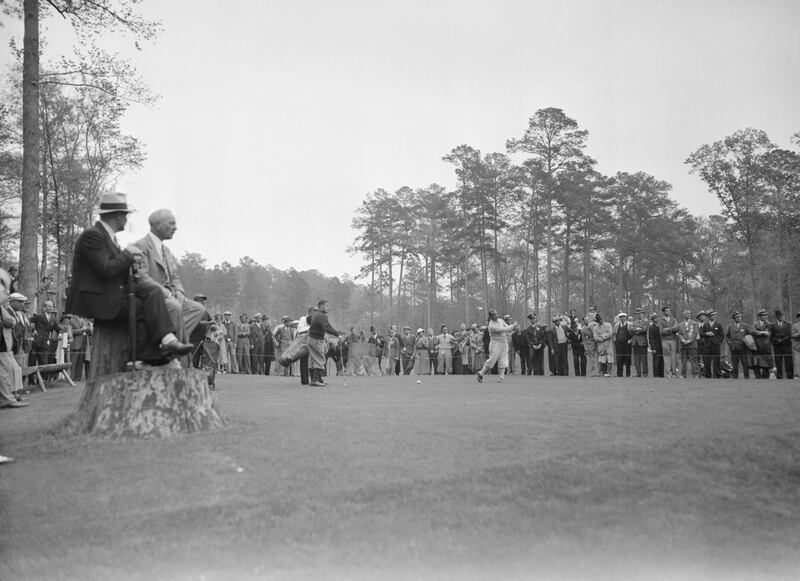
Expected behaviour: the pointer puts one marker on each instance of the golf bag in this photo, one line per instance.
(725, 368)
(208, 351)
(296, 349)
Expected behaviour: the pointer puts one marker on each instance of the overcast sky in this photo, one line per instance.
(277, 118)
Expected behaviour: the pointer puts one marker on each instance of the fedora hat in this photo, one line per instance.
(113, 202)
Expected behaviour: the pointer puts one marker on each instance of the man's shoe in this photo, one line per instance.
(479, 376)
(5, 459)
(17, 404)
(175, 348)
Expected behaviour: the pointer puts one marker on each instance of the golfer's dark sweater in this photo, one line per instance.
(320, 325)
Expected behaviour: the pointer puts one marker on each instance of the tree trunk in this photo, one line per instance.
(567, 234)
(549, 283)
(751, 263)
(372, 291)
(466, 269)
(29, 225)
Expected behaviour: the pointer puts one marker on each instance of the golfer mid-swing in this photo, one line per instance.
(498, 346)
(319, 325)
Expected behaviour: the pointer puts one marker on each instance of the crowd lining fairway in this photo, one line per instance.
(554, 478)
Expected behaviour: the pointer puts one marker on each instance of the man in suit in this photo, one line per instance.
(687, 334)
(45, 335)
(668, 327)
(159, 264)
(23, 330)
(559, 346)
(520, 344)
(257, 345)
(654, 340)
(782, 345)
(407, 351)
(703, 344)
(536, 337)
(739, 351)
(81, 329)
(10, 372)
(639, 328)
(282, 337)
(622, 345)
(230, 341)
(269, 345)
(243, 346)
(714, 334)
(100, 277)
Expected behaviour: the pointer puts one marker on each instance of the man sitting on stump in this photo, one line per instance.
(100, 279)
(159, 264)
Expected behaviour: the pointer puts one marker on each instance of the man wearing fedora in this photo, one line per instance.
(687, 335)
(714, 335)
(656, 348)
(762, 332)
(738, 348)
(639, 329)
(230, 341)
(782, 344)
(101, 272)
(669, 327)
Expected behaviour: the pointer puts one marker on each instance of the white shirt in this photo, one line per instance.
(158, 244)
(111, 233)
(302, 325)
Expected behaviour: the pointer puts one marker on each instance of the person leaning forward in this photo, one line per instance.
(319, 325)
(100, 276)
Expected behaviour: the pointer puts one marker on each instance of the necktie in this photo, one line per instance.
(166, 264)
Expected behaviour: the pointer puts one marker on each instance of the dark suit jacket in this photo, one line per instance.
(99, 276)
(44, 327)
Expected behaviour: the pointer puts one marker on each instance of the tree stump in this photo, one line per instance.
(149, 402)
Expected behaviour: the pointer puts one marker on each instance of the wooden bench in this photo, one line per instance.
(61, 369)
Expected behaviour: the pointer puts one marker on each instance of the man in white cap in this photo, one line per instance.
(10, 372)
(100, 279)
(622, 344)
(159, 264)
(23, 330)
(558, 346)
(282, 336)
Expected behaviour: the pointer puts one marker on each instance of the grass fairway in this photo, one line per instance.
(549, 478)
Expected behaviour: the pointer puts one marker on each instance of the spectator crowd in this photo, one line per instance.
(639, 345)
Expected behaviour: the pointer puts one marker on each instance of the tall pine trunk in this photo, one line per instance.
(31, 137)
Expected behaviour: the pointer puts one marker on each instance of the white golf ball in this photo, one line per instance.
(419, 381)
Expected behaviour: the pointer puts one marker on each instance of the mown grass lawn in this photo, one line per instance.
(553, 478)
